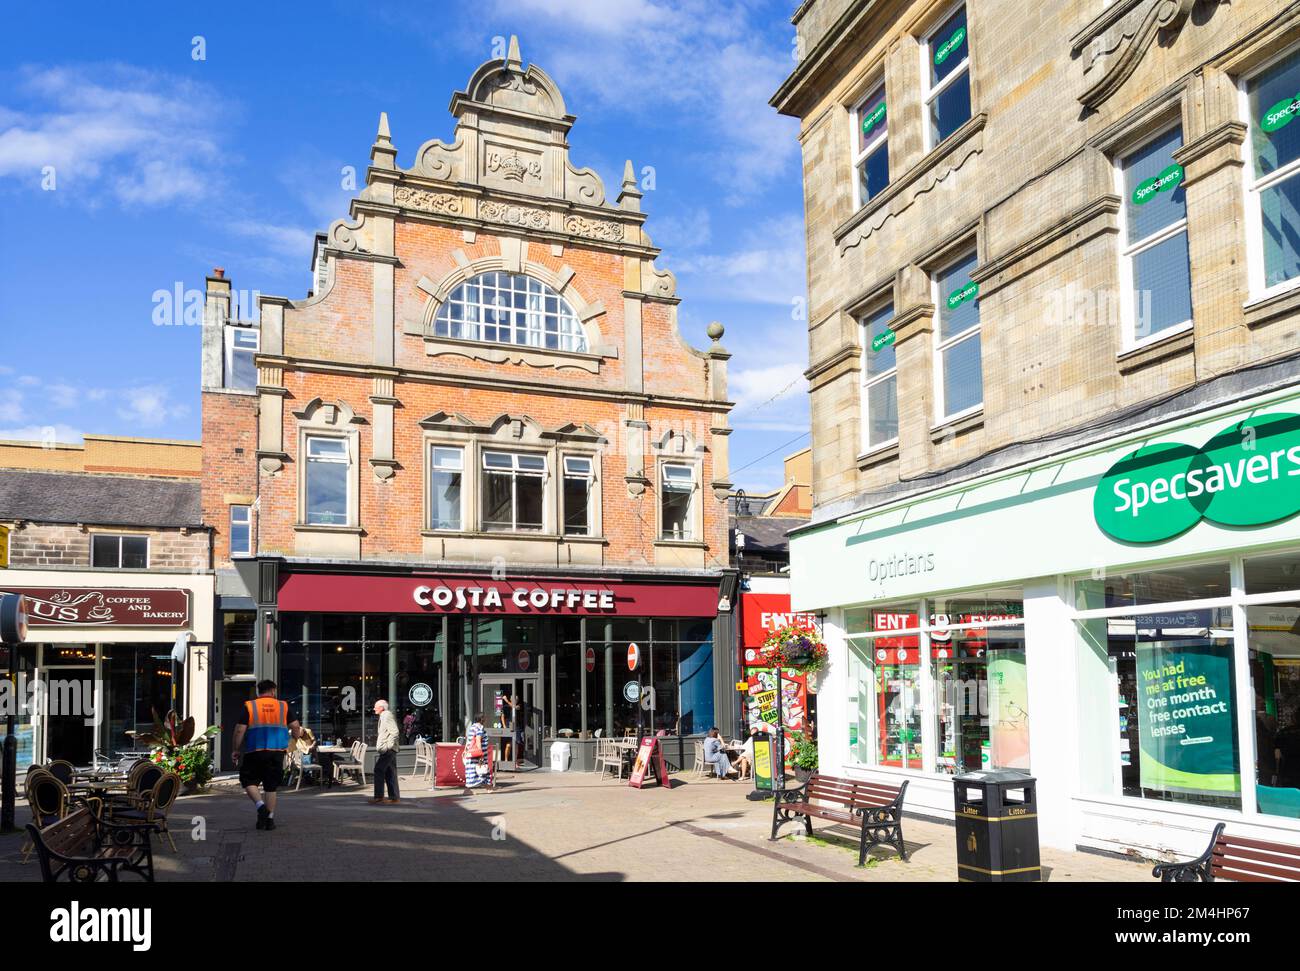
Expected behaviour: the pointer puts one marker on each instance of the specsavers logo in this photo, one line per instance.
(1168, 180)
(950, 45)
(1280, 115)
(1246, 475)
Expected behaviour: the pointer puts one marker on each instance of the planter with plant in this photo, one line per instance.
(803, 756)
(796, 649)
(177, 749)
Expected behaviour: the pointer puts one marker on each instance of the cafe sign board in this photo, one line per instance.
(105, 606)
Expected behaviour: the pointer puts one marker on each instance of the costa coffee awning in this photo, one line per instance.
(346, 593)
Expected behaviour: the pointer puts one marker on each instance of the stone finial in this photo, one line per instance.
(382, 153)
(514, 61)
(629, 195)
(715, 330)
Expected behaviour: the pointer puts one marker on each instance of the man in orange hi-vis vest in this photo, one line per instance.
(268, 724)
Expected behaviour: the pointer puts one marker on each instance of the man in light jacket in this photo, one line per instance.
(386, 763)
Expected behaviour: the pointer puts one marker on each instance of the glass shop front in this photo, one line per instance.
(535, 675)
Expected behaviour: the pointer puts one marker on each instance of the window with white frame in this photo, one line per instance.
(676, 503)
(870, 146)
(241, 348)
(959, 383)
(241, 530)
(513, 489)
(1272, 101)
(510, 308)
(446, 471)
(1155, 269)
(113, 552)
(879, 380)
(947, 89)
(576, 495)
(325, 491)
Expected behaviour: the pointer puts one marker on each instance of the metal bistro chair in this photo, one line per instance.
(48, 800)
(357, 765)
(152, 806)
(62, 770)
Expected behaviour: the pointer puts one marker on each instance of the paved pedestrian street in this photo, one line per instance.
(540, 826)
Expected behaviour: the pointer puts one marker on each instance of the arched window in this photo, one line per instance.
(510, 308)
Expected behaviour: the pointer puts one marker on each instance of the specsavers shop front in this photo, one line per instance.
(1122, 621)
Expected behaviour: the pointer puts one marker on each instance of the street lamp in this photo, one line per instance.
(13, 631)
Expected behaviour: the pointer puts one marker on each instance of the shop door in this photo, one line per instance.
(230, 703)
(511, 706)
(69, 714)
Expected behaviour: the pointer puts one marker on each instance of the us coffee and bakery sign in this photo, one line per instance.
(105, 607)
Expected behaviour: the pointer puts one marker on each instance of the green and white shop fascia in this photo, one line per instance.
(1134, 609)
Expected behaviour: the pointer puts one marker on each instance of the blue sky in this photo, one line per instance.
(128, 166)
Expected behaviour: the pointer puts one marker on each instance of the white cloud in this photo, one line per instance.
(149, 406)
(141, 135)
(708, 60)
(42, 433)
(766, 265)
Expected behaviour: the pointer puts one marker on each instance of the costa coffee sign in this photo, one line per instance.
(345, 593)
(105, 607)
(462, 598)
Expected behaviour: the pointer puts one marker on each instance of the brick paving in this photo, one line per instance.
(540, 826)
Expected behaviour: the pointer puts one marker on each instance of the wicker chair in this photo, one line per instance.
(62, 770)
(48, 800)
(153, 806)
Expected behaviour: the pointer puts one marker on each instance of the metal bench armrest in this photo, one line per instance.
(1190, 871)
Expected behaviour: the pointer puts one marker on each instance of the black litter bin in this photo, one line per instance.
(997, 827)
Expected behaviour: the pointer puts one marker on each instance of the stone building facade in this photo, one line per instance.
(487, 384)
(1042, 237)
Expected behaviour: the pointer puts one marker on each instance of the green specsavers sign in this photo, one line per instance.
(1168, 180)
(1246, 475)
(1280, 115)
(881, 341)
(875, 117)
(951, 44)
(962, 294)
(1185, 718)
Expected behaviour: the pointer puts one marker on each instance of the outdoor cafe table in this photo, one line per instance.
(328, 755)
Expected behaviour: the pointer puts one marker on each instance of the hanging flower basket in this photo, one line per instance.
(796, 649)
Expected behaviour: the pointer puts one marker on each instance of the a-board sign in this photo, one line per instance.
(649, 759)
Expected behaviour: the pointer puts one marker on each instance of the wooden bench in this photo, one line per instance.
(84, 848)
(1236, 858)
(875, 808)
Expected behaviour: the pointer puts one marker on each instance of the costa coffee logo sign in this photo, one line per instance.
(524, 598)
(105, 607)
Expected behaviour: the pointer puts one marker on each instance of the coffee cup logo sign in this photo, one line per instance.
(951, 44)
(1246, 475)
(881, 341)
(875, 117)
(1168, 180)
(962, 294)
(1280, 115)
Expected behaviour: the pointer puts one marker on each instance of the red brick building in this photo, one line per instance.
(479, 459)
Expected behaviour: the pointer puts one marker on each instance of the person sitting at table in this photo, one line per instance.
(745, 760)
(715, 755)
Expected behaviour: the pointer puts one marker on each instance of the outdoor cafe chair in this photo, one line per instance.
(357, 765)
(424, 756)
(302, 768)
(153, 806)
(62, 770)
(48, 800)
